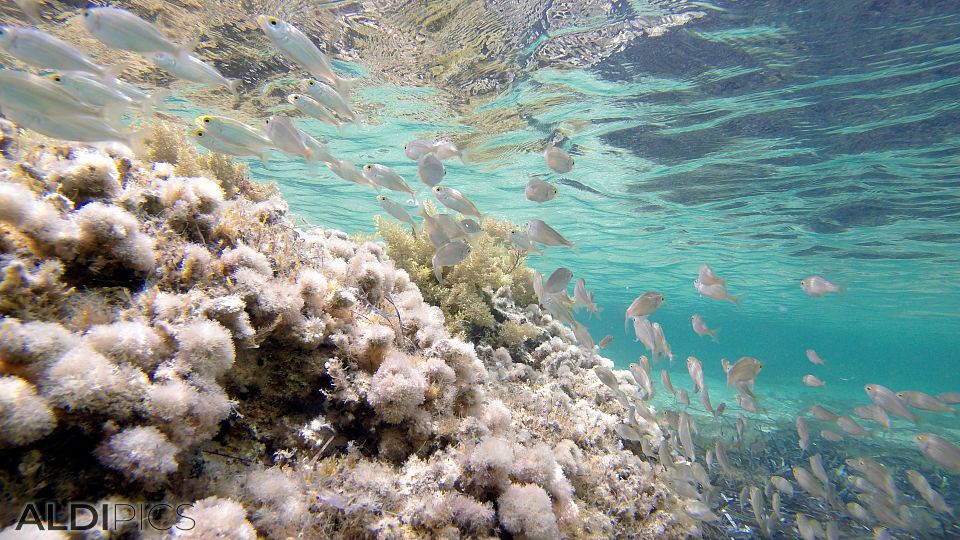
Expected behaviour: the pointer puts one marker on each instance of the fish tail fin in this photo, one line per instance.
(713, 334)
(626, 321)
(264, 158)
(464, 157)
(735, 300)
(234, 87)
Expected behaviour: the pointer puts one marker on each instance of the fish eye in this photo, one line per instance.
(272, 21)
(57, 78)
(206, 120)
(199, 133)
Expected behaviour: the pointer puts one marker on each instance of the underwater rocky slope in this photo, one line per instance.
(169, 335)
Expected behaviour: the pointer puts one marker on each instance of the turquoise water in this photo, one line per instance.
(770, 140)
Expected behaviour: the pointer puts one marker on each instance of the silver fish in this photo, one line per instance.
(454, 200)
(939, 450)
(605, 342)
(607, 377)
(583, 337)
(79, 128)
(683, 397)
(831, 436)
(803, 432)
(430, 170)
(814, 358)
(783, 485)
(446, 150)
(386, 178)
(583, 297)
(312, 108)
(348, 171)
(558, 280)
(645, 304)
(822, 413)
(934, 499)
(539, 191)
(449, 255)
(816, 466)
(470, 226)
(187, 67)
(121, 29)
(30, 93)
(85, 87)
(695, 369)
(722, 458)
(705, 401)
(818, 286)
(700, 327)
(808, 482)
(214, 144)
(888, 401)
(287, 137)
(875, 413)
(437, 236)
(296, 46)
(42, 50)
(744, 370)
(922, 401)
(523, 242)
(686, 440)
(813, 381)
(642, 379)
(418, 148)
(233, 131)
(329, 97)
(950, 398)
(707, 276)
(700, 511)
(851, 427)
(665, 380)
(395, 209)
(717, 292)
(809, 529)
(558, 160)
(540, 232)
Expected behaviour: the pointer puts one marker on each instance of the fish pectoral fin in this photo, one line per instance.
(234, 86)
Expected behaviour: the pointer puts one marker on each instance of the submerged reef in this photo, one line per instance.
(168, 335)
(467, 291)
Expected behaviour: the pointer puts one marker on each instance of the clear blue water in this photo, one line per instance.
(772, 140)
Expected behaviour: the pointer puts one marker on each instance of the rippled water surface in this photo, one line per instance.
(770, 139)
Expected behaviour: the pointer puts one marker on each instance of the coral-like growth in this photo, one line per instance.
(172, 338)
(141, 453)
(464, 295)
(24, 416)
